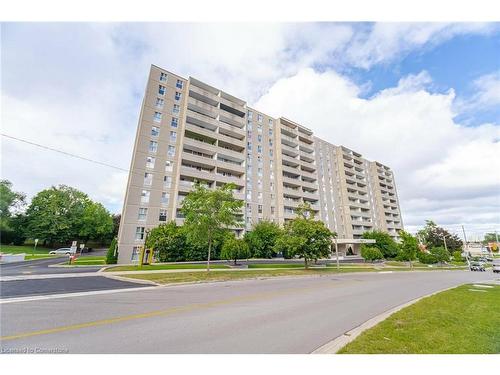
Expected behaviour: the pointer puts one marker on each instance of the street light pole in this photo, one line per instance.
(337, 252)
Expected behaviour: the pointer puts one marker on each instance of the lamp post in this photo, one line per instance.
(337, 252)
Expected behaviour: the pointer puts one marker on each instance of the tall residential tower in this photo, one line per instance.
(189, 131)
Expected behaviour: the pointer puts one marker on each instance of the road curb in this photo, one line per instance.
(338, 343)
(129, 279)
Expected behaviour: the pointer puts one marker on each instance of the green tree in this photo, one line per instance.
(112, 253)
(384, 242)
(96, 222)
(408, 248)
(371, 253)
(457, 256)
(168, 242)
(55, 214)
(116, 224)
(209, 212)
(440, 254)
(307, 238)
(10, 201)
(433, 236)
(234, 249)
(262, 238)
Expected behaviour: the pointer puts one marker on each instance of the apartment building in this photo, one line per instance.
(190, 131)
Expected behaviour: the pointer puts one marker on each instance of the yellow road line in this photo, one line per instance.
(170, 311)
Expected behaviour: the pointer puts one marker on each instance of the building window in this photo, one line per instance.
(250, 115)
(143, 213)
(167, 181)
(175, 122)
(169, 166)
(260, 209)
(163, 215)
(259, 118)
(271, 153)
(153, 146)
(145, 196)
(148, 179)
(259, 149)
(157, 117)
(270, 123)
(171, 150)
(163, 77)
(259, 195)
(249, 126)
(161, 90)
(270, 143)
(259, 138)
(176, 109)
(165, 197)
(173, 136)
(259, 171)
(249, 146)
(155, 131)
(270, 132)
(272, 210)
(139, 233)
(135, 253)
(179, 84)
(150, 162)
(177, 95)
(159, 103)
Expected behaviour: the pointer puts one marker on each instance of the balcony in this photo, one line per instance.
(232, 131)
(291, 202)
(308, 194)
(224, 177)
(196, 143)
(196, 173)
(305, 156)
(292, 181)
(231, 166)
(204, 95)
(291, 170)
(202, 107)
(292, 192)
(307, 148)
(308, 174)
(311, 185)
(198, 159)
(292, 161)
(201, 120)
(290, 151)
(236, 155)
(233, 141)
(234, 105)
(231, 119)
(289, 141)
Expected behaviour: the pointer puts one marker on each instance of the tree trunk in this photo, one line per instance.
(235, 261)
(306, 264)
(209, 251)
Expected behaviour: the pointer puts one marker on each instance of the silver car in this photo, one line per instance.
(62, 250)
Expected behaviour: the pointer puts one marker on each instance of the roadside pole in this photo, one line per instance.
(337, 252)
(34, 248)
(466, 248)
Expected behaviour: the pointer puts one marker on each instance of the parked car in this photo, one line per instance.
(477, 266)
(496, 265)
(62, 250)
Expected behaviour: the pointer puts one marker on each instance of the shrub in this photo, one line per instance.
(426, 258)
(371, 253)
(112, 254)
(234, 249)
(384, 243)
(441, 254)
(457, 256)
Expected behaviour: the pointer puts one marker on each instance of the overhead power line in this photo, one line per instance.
(64, 152)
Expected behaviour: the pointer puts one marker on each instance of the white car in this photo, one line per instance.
(496, 265)
(62, 250)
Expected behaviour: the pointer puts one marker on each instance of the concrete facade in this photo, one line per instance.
(190, 131)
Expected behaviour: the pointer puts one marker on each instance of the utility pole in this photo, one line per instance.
(444, 240)
(337, 252)
(466, 247)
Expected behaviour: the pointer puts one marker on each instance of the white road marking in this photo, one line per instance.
(66, 295)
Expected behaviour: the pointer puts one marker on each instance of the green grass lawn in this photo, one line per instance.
(182, 277)
(90, 261)
(457, 321)
(276, 265)
(39, 256)
(11, 249)
(166, 267)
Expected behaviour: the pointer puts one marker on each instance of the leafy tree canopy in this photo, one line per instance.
(432, 236)
(209, 212)
(384, 242)
(234, 249)
(306, 238)
(262, 238)
(371, 253)
(9, 201)
(408, 248)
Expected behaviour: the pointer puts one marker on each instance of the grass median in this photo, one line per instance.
(463, 320)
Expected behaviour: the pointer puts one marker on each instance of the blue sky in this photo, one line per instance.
(423, 98)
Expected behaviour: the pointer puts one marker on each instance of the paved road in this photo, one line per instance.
(41, 266)
(280, 315)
